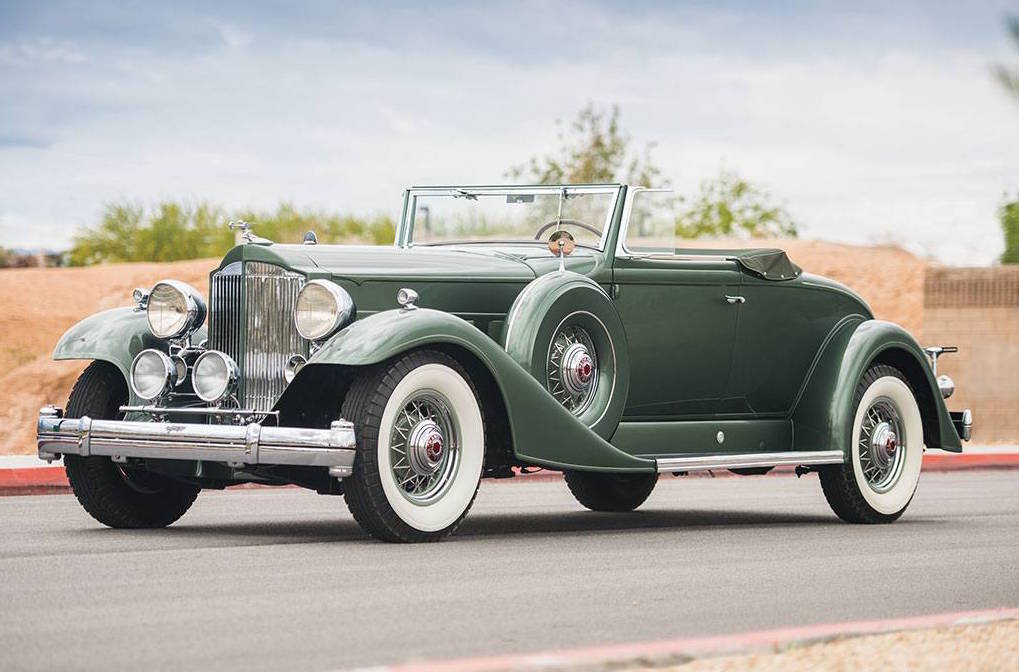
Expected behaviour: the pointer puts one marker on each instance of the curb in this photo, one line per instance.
(683, 650)
(48, 479)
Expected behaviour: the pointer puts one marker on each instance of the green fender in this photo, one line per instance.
(823, 414)
(538, 312)
(543, 432)
(115, 336)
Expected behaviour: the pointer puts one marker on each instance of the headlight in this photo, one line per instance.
(214, 376)
(174, 309)
(323, 307)
(153, 374)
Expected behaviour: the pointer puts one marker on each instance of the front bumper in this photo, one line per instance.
(963, 423)
(235, 445)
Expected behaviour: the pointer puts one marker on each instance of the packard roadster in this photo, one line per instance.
(509, 328)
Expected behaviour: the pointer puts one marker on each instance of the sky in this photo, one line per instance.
(871, 122)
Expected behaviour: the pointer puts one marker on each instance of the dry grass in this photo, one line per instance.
(38, 305)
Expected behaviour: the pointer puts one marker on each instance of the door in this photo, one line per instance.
(680, 329)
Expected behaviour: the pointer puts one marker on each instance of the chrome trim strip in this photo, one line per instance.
(238, 444)
(788, 459)
(199, 410)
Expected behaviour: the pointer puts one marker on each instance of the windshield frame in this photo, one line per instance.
(405, 230)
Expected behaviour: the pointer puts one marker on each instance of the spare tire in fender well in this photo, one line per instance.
(541, 309)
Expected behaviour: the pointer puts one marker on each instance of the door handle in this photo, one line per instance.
(734, 299)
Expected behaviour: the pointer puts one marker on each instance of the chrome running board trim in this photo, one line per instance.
(788, 459)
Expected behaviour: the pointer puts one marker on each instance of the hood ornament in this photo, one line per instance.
(247, 234)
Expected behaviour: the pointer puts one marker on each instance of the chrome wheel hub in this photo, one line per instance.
(572, 368)
(424, 450)
(882, 445)
(576, 368)
(425, 447)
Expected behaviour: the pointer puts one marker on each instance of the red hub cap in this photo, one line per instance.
(585, 367)
(433, 447)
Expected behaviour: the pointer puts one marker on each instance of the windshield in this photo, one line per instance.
(520, 214)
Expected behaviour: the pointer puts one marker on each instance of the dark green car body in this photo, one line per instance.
(697, 372)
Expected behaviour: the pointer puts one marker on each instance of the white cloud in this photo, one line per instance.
(861, 141)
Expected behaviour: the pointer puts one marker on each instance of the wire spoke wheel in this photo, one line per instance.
(885, 453)
(882, 444)
(572, 368)
(424, 447)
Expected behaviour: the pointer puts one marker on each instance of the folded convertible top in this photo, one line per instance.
(770, 264)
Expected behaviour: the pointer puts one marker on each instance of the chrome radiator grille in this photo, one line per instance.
(251, 319)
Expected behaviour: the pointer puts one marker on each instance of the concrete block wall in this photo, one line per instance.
(977, 309)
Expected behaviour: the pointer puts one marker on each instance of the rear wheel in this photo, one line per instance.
(610, 492)
(420, 447)
(877, 482)
(117, 496)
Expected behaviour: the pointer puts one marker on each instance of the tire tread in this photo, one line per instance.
(96, 481)
(607, 492)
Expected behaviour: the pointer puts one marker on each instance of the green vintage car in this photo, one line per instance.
(509, 328)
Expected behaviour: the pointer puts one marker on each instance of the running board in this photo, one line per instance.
(788, 459)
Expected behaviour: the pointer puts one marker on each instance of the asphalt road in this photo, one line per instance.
(262, 579)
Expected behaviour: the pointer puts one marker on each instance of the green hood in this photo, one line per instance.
(444, 278)
(354, 262)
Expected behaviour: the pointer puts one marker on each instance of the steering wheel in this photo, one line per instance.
(539, 235)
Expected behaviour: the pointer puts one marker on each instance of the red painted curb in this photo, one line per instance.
(36, 476)
(956, 461)
(685, 649)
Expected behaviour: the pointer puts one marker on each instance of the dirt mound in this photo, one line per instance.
(38, 304)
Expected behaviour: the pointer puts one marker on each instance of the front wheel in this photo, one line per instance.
(116, 496)
(610, 492)
(877, 482)
(420, 447)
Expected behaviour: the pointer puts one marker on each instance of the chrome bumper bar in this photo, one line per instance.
(236, 445)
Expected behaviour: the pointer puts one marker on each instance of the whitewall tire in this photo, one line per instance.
(421, 447)
(877, 482)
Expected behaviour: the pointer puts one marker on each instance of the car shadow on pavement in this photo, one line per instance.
(493, 525)
(636, 521)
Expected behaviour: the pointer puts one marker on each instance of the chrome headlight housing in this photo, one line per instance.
(153, 374)
(214, 376)
(322, 309)
(174, 309)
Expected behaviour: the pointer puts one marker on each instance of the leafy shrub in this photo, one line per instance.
(172, 231)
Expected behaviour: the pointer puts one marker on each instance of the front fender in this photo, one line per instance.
(115, 336)
(543, 432)
(823, 416)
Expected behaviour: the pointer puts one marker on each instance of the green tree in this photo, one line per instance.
(1009, 77)
(172, 231)
(729, 206)
(592, 149)
(1008, 214)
